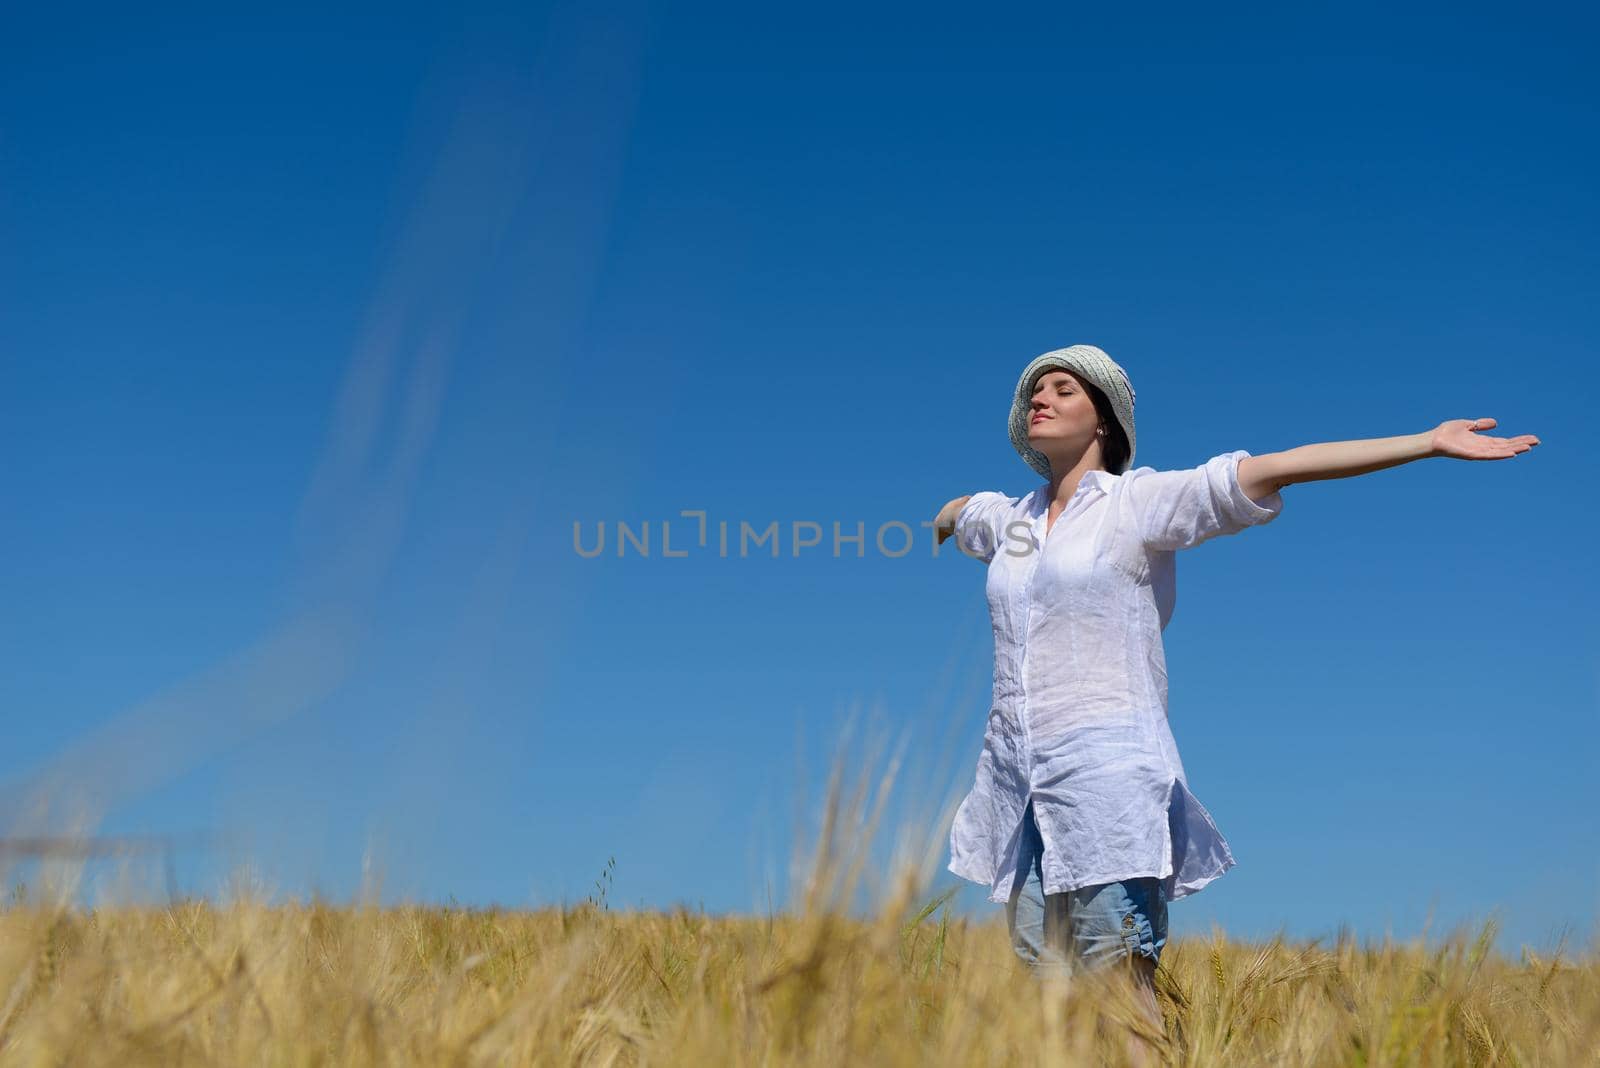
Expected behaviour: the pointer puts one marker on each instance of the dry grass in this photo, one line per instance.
(249, 983)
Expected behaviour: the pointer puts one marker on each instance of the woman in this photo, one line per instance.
(1081, 821)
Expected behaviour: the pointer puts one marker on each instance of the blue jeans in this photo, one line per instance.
(1084, 929)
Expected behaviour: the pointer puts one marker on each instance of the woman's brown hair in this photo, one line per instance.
(1114, 446)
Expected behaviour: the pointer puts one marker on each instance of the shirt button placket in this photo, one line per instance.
(1027, 643)
(1040, 534)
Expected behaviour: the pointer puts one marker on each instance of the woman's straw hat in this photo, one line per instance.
(1094, 366)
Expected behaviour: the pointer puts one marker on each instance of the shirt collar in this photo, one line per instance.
(1095, 481)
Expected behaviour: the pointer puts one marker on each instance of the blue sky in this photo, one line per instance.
(320, 331)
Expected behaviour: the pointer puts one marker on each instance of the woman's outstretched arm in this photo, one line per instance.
(944, 524)
(1266, 474)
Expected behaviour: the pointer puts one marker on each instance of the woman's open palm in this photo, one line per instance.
(1459, 438)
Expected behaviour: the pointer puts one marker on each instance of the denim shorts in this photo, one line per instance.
(1083, 929)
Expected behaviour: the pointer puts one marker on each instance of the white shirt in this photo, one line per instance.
(1078, 717)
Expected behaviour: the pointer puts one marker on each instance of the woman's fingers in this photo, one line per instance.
(1519, 444)
(1477, 426)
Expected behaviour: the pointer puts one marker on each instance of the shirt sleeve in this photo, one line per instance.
(979, 528)
(1181, 509)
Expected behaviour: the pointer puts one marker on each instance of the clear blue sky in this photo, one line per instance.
(319, 332)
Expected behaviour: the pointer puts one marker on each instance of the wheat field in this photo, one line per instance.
(196, 984)
(246, 981)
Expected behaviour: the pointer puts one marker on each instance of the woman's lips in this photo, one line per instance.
(1040, 418)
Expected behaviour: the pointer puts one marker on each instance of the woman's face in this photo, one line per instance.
(1062, 418)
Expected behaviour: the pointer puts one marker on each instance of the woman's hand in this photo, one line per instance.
(1458, 438)
(944, 524)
